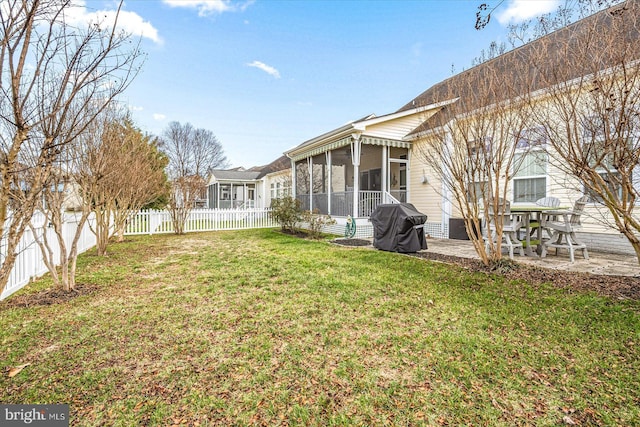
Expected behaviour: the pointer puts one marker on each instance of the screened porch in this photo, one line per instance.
(354, 178)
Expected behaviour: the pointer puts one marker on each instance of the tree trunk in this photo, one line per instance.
(635, 242)
(101, 231)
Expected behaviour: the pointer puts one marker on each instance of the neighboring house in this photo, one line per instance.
(248, 188)
(348, 171)
(276, 177)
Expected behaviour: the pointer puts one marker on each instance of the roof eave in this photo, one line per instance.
(362, 124)
(322, 139)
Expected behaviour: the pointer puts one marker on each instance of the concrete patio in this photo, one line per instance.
(598, 262)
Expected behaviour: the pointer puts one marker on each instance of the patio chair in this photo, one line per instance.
(535, 224)
(562, 226)
(550, 202)
(510, 226)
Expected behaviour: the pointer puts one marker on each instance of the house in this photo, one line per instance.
(349, 170)
(241, 188)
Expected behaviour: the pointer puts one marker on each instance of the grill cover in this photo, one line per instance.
(394, 228)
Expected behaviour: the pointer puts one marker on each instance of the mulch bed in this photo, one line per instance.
(352, 242)
(50, 296)
(620, 287)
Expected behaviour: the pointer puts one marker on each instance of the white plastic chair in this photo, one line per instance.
(547, 202)
(562, 226)
(510, 226)
(550, 202)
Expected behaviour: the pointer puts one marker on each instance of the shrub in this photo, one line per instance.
(286, 212)
(316, 222)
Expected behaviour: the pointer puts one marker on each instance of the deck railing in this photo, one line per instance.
(368, 201)
(342, 201)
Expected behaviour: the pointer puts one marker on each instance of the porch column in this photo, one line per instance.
(385, 168)
(244, 195)
(355, 160)
(329, 187)
(408, 177)
(293, 179)
(218, 195)
(310, 168)
(231, 195)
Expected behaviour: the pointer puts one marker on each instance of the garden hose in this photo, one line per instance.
(350, 228)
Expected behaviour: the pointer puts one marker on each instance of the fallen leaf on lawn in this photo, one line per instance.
(17, 369)
(568, 420)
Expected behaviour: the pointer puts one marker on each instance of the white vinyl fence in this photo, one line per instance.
(29, 263)
(155, 222)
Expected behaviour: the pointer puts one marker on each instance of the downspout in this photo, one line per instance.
(385, 171)
(408, 176)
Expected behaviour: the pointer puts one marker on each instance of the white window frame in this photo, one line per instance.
(595, 136)
(532, 142)
(478, 188)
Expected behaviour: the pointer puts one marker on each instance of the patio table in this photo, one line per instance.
(527, 213)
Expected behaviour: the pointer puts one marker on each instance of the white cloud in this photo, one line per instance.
(159, 117)
(135, 108)
(210, 7)
(128, 21)
(266, 68)
(521, 10)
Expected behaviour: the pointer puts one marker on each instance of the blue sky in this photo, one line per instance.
(266, 75)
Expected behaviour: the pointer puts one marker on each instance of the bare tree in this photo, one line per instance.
(470, 146)
(97, 155)
(524, 32)
(61, 210)
(583, 92)
(193, 154)
(591, 112)
(54, 79)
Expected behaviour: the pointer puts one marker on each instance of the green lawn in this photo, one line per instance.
(258, 328)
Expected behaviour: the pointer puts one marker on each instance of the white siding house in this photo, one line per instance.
(349, 170)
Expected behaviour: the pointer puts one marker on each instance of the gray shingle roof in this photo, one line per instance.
(538, 64)
(256, 172)
(238, 175)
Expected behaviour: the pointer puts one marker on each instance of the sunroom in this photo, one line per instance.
(351, 170)
(233, 189)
